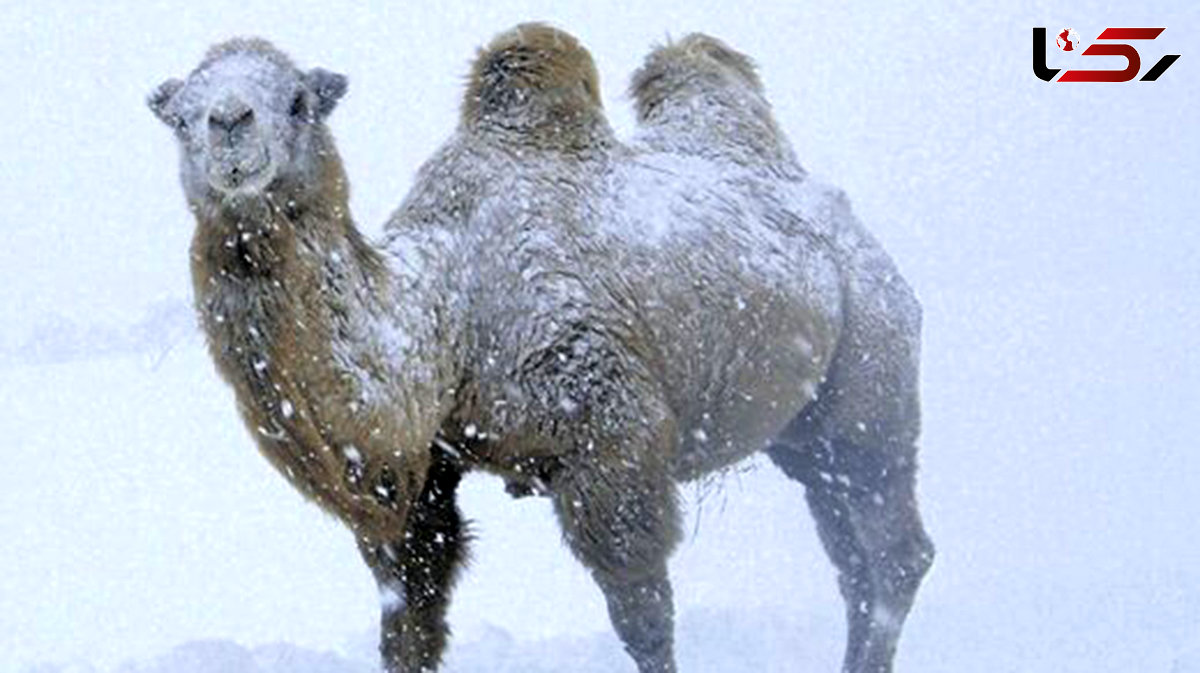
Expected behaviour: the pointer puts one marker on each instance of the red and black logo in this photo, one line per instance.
(1068, 40)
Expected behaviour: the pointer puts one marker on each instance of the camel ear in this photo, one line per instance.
(329, 88)
(160, 101)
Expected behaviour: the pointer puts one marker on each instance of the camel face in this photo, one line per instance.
(245, 118)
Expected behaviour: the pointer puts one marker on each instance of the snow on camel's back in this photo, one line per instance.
(592, 320)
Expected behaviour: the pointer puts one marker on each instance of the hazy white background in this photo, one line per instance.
(1049, 228)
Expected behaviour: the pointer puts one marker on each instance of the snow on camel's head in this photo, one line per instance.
(247, 117)
(533, 75)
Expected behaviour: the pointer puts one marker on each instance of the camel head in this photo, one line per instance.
(532, 76)
(247, 118)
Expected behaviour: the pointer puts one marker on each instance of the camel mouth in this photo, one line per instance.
(242, 173)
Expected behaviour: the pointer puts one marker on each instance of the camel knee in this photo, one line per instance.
(907, 562)
(925, 553)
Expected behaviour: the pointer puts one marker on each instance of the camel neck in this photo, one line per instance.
(271, 270)
(306, 320)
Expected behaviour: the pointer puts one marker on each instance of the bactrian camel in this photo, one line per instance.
(593, 320)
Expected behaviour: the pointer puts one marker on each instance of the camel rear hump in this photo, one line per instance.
(701, 96)
(700, 60)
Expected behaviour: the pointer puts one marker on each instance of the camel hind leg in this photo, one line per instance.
(416, 573)
(624, 538)
(866, 513)
(621, 520)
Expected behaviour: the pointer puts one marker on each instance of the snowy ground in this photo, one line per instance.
(1049, 230)
(767, 642)
(159, 507)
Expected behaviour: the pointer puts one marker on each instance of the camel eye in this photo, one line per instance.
(298, 106)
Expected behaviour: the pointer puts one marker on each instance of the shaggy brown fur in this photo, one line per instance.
(596, 320)
(853, 448)
(687, 89)
(268, 303)
(291, 297)
(534, 80)
(292, 397)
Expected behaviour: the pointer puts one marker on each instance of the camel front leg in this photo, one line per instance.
(416, 572)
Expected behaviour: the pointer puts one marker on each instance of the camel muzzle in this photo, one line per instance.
(237, 151)
(238, 168)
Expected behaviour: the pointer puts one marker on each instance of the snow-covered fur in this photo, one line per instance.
(594, 320)
(341, 367)
(513, 87)
(854, 446)
(700, 97)
(299, 310)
